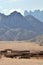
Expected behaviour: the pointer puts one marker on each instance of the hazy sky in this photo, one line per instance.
(8, 6)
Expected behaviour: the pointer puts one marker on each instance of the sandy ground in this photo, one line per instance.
(6, 61)
(16, 45)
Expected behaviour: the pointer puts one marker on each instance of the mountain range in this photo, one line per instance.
(18, 27)
(38, 39)
(36, 13)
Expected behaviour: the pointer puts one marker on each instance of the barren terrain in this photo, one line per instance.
(18, 45)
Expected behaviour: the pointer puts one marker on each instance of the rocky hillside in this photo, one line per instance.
(17, 27)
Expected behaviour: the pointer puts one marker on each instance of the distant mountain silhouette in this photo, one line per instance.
(18, 27)
(37, 14)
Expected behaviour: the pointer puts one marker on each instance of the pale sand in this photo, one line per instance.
(6, 61)
(16, 45)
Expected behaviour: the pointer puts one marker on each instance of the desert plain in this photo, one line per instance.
(20, 45)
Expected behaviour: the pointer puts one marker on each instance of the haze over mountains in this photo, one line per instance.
(38, 39)
(18, 27)
(36, 13)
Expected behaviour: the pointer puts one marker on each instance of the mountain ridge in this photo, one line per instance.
(36, 13)
(18, 27)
